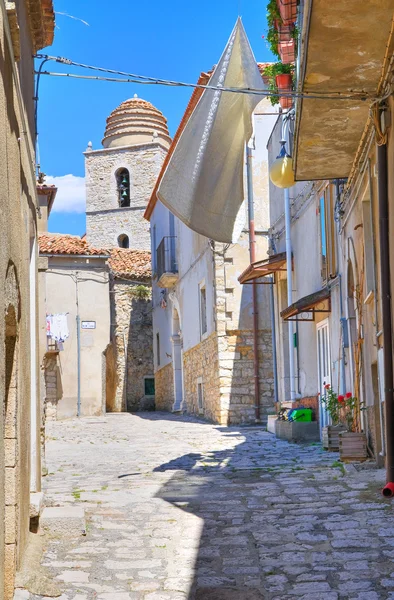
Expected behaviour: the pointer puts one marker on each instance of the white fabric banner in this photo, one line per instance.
(203, 182)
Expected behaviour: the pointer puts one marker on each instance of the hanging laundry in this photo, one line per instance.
(58, 327)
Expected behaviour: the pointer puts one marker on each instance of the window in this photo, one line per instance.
(123, 241)
(200, 395)
(158, 349)
(327, 233)
(203, 309)
(123, 186)
(149, 386)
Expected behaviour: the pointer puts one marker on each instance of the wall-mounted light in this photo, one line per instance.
(281, 171)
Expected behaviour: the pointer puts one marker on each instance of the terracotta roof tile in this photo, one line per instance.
(123, 263)
(58, 243)
(131, 264)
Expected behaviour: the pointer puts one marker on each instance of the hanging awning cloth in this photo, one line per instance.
(262, 268)
(305, 308)
(203, 184)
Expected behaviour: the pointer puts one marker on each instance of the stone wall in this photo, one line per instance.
(236, 362)
(105, 221)
(202, 361)
(132, 338)
(164, 388)
(234, 321)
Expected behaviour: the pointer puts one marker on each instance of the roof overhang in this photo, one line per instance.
(42, 22)
(305, 308)
(49, 191)
(344, 48)
(262, 268)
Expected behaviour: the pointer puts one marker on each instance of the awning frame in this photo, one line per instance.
(317, 303)
(269, 265)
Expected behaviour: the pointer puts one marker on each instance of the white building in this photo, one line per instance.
(202, 317)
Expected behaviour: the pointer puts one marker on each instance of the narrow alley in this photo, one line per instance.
(177, 509)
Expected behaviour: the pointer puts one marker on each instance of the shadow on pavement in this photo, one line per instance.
(211, 488)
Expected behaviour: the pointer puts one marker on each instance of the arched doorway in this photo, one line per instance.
(177, 361)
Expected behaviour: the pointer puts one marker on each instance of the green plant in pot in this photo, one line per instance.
(279, 76)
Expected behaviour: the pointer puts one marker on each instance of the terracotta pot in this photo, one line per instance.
(288, 10)
(352, 446)
(287, 51)
(330, 437)
(284, 83)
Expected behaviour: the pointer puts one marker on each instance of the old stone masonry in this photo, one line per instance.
(179, 509)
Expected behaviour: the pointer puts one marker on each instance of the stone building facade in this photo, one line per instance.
(26, 27)
(120, 178)
(130, 356)
(135, 143)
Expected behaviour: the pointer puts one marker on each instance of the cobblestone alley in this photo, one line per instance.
(180, 509)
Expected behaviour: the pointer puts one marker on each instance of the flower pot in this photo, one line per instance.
(330, 437)
(288, 10)
(352, 446)
(286, 50)
(284, 83)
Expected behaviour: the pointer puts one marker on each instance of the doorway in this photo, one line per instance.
(324, 367)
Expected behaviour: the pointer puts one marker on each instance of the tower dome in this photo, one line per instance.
(135, 121)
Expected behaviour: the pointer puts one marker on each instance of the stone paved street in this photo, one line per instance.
(180, 509)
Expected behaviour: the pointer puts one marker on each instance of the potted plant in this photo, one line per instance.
(280, 77)
(287, 10)
(333, 405)
(352, 443)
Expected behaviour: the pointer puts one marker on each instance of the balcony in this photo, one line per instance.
(343, 47)
(166, 265)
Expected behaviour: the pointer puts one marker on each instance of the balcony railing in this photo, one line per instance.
(166, 265)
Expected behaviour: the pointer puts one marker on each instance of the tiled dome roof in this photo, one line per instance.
(136, 121)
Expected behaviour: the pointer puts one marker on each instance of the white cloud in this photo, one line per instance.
(71, 196)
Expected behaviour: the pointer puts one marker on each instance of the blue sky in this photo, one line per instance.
(172, 40)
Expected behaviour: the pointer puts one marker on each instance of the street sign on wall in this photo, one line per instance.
(88, 324)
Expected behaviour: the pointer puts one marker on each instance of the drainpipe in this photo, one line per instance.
(273, 330)
(252, 252)
(388, 490)
(289, 292)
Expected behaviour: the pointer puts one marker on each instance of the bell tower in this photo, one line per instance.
(120, 176)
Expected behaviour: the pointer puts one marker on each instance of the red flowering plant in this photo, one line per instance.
(332, 403)
(351, 404)
(341, 408)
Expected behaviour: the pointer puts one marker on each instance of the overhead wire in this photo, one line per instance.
(147, 80)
